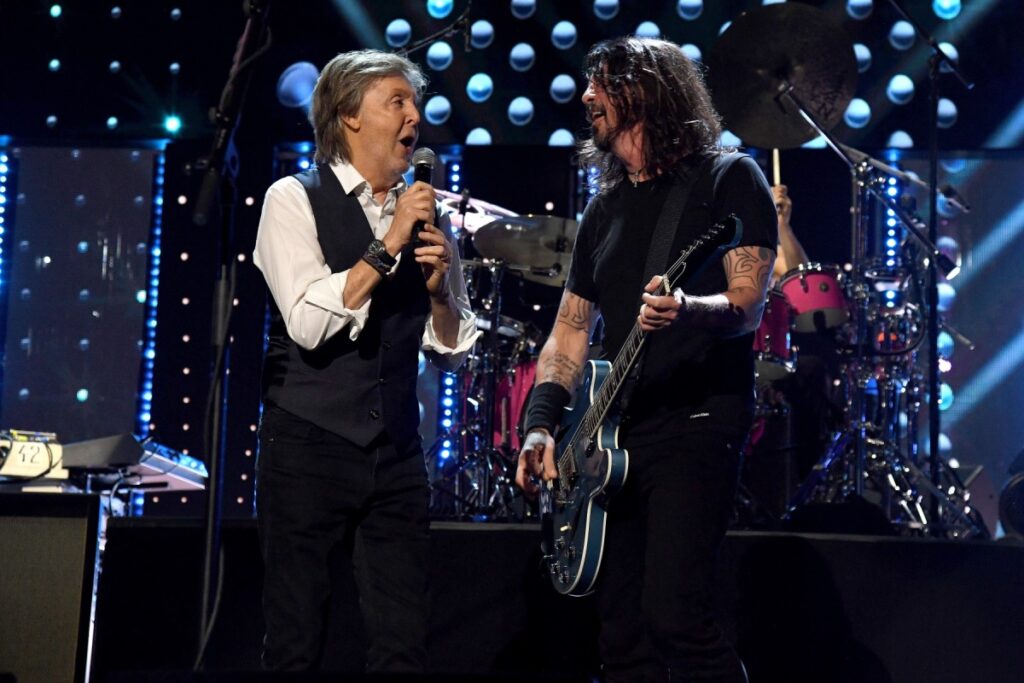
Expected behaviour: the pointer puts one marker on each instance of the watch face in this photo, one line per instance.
(376, 247)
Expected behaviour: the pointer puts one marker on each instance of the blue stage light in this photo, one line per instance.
(523, 9)
(563, 35)
(56, 11)
(946, 344)
(858, 113)
(439, 56)
(521, 56)
(111, 122)
(606, 9)
(481, 34)
(692, 52)
(398, 33)
(648, 29)
(561, 138)
(947, 113)
(689, 9)
(479, 87)
(82, 395)
(54, 65)
(951, 52)
(946, 9)
(439, 9)
(900, 89)
(901, 35)
(900, 139)
(172, 124)
(863, 55)
(859, 9)
(437, 110)
(295, 85)
(478, 136)
(563, 88)
(520, 111)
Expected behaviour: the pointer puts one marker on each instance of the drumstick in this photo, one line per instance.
(776, 175)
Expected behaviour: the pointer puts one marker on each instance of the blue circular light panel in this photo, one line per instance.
(296, 83)
(859, 9)
(954, 165)
(479, 87)
(561, 138)
(692, 52)
(900, 89)
(947, 296)
(946, 9)
(858, 113)
(945, 402)
(648, 29)
(863, 55)
(901, 35)
(398, 33)
(946, 344)
(563, 88)
(439, 9)
(437, 109)
(523, 9)
(521, 57)
(952, 53)
(900, 140)
(478, 136)
(606, 9)
(689, 9)
(439, 56)
(54, 65)
(563, 35)
(947, 113)
(520, 111)
(481, 34)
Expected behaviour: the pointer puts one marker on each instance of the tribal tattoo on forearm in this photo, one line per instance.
(749, 267)
(561, 369)
(574, 311)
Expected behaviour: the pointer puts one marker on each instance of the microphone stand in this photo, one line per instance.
(937, 58)
(219, 181)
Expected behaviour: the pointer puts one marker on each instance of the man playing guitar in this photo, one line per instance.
(655, 131)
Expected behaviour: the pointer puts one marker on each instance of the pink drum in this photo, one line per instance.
(510, 401)
(815, 293)
(773, 353)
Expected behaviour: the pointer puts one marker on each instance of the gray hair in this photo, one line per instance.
(340, 89)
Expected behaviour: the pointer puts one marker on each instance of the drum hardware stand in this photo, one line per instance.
(869, 450)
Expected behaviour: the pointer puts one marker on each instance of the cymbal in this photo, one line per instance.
(538, 247)
(767, 48)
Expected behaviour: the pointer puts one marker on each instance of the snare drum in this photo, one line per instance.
(772, 351)
(815, 293)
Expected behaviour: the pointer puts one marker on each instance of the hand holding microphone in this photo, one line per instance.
(423, 170)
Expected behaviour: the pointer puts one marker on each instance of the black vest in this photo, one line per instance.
(356, 389)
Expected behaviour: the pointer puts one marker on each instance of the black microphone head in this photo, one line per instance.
(423, 164)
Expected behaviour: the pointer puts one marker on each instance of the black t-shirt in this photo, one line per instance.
(686, 372)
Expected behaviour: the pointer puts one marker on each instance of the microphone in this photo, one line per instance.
(955, 198)
(423, 170)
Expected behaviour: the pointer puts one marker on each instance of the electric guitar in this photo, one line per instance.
(591, 466)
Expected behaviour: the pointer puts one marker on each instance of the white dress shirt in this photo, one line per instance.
(310, 296)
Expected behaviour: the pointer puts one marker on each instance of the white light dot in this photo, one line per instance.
(241, 258)
(536, 307)
(235, 302)
(185, 338)
(184, 301)
(185, 371)
(156, 499)
(249, 201)
(184, 256)
(240, 500)
(182, 199)
(184, 499)
(549, 206)
(185, 451)
(186, 400)
(248, 452)
(184, 427)
(245, 477)
(252, 428)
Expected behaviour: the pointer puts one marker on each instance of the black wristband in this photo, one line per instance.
(547, 402)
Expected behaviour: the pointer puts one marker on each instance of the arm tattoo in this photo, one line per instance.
(575, 312)
(749, 267)
(561, 369)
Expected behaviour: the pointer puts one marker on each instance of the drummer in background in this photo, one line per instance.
(790, 253)
(807, 391)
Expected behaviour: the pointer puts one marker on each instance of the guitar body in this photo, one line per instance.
(578, 507)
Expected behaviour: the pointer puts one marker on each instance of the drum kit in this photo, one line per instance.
(782, 75)
(504, 255)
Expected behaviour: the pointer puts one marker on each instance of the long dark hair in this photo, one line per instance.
(653, 83)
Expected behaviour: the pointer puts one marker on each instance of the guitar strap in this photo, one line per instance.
(661, 246)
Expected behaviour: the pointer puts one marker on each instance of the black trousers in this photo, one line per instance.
(655, 588)
(318, 493)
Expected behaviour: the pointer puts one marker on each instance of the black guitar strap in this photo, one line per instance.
(661, 246)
